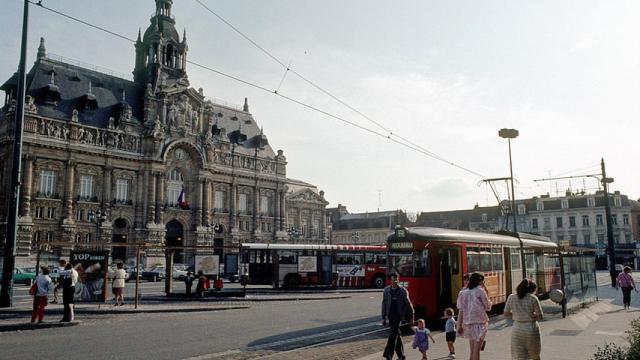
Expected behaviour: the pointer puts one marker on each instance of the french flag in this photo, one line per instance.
(182, 200)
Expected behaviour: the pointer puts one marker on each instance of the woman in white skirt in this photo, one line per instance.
(473, 322)
(524, 308)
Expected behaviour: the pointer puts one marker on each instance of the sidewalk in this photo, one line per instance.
(574, 337)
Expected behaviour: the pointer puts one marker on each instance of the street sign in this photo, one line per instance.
(564, 243)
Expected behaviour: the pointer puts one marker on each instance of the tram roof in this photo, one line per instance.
(262, 246)
(449, 235)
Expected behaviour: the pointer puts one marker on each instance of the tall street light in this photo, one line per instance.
(512, 134)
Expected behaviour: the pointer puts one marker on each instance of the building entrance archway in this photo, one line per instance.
(175, 238)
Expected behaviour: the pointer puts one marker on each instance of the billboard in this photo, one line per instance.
(208, 264)
(92, 267)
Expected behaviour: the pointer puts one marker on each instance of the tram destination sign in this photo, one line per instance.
(401, 245)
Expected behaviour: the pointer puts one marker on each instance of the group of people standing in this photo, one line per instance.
(473, 303)
(67, 280)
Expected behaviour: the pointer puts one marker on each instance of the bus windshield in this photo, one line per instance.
(411, 264)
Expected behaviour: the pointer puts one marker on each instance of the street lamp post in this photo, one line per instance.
(293, 233)
(512, 134)
(98, 218)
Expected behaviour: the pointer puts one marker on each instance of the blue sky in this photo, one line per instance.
(445, 74)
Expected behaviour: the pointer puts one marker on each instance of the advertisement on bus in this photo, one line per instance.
(350, 270)
(307, 264)
(208, 264)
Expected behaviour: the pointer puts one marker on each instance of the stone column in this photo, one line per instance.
(151, 202)
(276, 214)
(283, 211)
(233, 205)
(160, 190)
(207, 201)
(25, 209)
(68, 189)
(200, 193)
(139, 201)
(106, 189)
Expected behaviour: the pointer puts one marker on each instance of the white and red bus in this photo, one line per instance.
(431, 263)
(293, 266)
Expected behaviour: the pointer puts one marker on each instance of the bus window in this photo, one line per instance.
(287, 257)
(485, 259)
(422, 263)
(349, 259)
(473, 263)
(402, 263)
(375, 259)
(515, 259)
(496, 255)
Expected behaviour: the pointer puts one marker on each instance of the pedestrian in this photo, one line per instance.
(203, 284)
(63, 264)
(421, 338)
(473, 322)
(525, 310)
(450, 331)
(396, 306)
(626, 283)
(188, 282)
(43, 286)
(119, 277)
(69, 277)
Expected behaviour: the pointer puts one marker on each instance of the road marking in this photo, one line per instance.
(609, 333)
(214, 355)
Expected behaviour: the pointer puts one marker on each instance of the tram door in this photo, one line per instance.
(450, 276)
(260, 267)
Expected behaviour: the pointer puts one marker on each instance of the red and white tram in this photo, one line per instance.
(305, 265)
(431, 263)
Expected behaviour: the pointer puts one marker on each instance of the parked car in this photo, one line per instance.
(21, 276)
(158, 272)
(154, 274)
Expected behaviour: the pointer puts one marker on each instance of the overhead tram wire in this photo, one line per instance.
(406, 144)
(326, 92)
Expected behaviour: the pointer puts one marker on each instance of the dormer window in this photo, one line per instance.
(522, 209)
(484, 217)
(617, 202)
(591, 202)
(540, 206)
(564, 203)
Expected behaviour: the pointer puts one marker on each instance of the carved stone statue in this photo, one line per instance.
(74, 116)
(171, 116)
(157, 129)
(80, 134)
(149, 89)
(195, 121)
(112, 123)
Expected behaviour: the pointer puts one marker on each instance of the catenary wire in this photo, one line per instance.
(406, 143)
(318, 87)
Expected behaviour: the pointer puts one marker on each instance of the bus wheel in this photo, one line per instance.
(292, 282)
(378, 282)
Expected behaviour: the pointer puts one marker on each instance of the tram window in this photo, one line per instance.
(515, 259)
(485, 259)
(496, 255)
(423, 263)
(530, 261)
(473, 263)
(402, 264)
(551, 262)
(453, 262)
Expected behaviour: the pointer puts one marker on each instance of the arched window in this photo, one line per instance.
(174, 187)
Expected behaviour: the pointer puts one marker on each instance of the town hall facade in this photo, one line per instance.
(115, 164)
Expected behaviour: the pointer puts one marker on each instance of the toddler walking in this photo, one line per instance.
(450, 331)
(421, 339)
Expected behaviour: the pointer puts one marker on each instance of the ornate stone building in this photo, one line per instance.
(161, 163)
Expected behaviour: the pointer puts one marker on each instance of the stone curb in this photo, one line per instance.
(36, 326)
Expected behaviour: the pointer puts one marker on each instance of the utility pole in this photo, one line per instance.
(611, 249)
(6, 293)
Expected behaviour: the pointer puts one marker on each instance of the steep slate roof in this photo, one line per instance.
(72, 83)
(575, 201)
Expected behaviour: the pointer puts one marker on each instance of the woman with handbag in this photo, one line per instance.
(43, 286)
(524, 307)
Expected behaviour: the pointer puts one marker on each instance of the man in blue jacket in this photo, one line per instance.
(395, 306)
